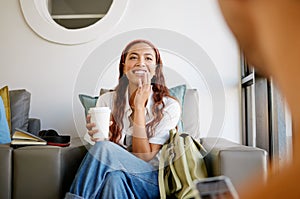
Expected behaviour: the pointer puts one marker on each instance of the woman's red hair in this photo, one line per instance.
(159, 91)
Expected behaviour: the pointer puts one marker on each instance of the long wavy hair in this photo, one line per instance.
(159, 91)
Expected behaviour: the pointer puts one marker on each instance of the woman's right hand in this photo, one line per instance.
(91, 130)
(90, 127)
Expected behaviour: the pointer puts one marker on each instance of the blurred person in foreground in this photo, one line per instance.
(269, 34)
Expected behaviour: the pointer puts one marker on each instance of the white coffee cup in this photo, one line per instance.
(101, 117)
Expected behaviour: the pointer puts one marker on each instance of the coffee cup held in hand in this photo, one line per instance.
(101, 117)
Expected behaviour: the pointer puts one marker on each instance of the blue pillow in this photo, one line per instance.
(178, 92)
(87, 102)
(4, 130)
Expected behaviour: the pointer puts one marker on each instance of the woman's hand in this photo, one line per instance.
(91, 130)
(143, 92)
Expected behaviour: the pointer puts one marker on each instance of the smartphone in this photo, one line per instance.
(219, 187)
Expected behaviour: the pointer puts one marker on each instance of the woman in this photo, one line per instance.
(143, 112)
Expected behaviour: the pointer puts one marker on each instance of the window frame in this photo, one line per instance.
(265, 116)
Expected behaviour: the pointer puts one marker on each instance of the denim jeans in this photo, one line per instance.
(109, 171)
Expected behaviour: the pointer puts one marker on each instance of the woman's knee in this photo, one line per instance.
(103, 149)
(103, 144)
(100, 146)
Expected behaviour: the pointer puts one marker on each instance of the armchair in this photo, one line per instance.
(238, 162)
(48, 171)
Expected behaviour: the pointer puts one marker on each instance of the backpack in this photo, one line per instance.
(181, 162)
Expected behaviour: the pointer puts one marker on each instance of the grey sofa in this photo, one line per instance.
(6, 171)
(19, 105)
(47, 172)
(240, 163)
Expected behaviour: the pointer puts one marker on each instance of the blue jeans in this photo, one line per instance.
(109, 171)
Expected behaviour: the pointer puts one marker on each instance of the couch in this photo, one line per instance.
(19, 111)
(47, 171)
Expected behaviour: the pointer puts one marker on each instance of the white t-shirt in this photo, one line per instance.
(171, 116)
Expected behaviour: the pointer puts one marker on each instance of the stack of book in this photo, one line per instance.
(23, 138)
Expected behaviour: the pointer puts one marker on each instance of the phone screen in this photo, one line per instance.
(216, 188)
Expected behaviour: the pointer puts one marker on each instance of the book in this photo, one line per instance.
(21, 137)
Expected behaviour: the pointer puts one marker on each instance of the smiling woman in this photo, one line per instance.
(143, 113)
(53, 28)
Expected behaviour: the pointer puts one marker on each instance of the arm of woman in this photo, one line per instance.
(140, 142)
(145, 148)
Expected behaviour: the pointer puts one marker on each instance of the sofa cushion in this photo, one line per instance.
(190, 115)
(4, 129)
(19, 106)
(6, 171)
(179, 93)
(5, 97)
(87, 102)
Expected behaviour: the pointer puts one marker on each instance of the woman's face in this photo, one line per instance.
(140, 64)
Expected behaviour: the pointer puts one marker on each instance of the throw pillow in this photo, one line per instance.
(190, 114)
(19, 106)
(5, 97)
(179, 92)
(87, 102)
(4, 130)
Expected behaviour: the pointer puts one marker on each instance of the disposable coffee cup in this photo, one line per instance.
(101, 117)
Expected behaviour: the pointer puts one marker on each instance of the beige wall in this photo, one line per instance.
(49, 70)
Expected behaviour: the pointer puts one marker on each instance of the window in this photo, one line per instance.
(70, 24)
(266, 118)
(74, 14)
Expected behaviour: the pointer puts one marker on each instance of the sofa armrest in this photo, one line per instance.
(46, 171)
(5, 171)
(240, 163)
(34, 125)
